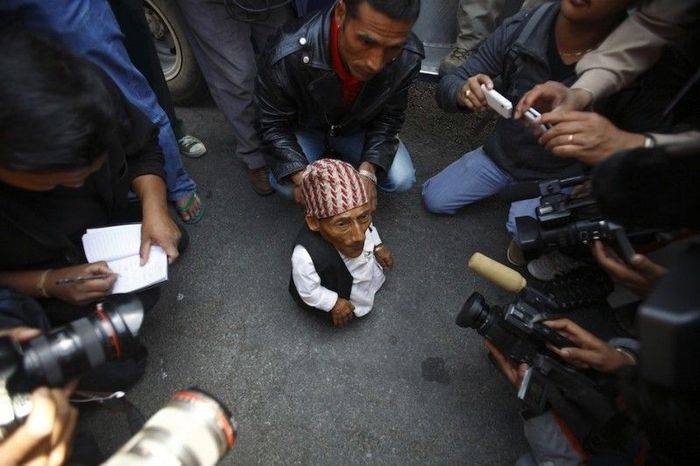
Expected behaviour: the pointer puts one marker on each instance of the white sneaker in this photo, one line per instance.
(548, 266)
(191, 147)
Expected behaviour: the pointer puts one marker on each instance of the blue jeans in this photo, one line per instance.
(471, 178)
(401, 176)
(88, 28)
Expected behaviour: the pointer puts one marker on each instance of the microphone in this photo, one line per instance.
(510, 280)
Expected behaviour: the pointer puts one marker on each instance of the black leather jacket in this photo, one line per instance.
(297, 89)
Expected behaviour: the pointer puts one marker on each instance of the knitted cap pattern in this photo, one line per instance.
(332, 187)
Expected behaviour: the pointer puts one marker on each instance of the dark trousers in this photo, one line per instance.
(142, 52)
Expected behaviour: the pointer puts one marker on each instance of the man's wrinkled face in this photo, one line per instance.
(346, 231)
(591, 11)
(50, 179)
(369, 40)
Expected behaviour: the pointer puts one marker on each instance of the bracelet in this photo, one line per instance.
(627, 353)
(42, 282)
(378, 247)
(369, 175)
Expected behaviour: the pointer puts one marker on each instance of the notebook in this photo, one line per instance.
(119, 247)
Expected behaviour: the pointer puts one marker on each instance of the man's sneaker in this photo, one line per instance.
(191, 147)
(260, 179)
(582, 287)
(456, 58)
(548, 266)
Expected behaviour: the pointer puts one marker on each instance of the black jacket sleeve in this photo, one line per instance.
(277, 114)
(382, 134)
(488, 59)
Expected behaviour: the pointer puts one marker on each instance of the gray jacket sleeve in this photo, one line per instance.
(635, 46)
(488, 59)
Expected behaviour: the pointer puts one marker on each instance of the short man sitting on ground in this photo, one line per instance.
(338, 258)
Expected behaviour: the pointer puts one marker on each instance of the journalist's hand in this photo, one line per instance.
(83, 291)
(591, 352)
(298, 192)
(513, 371)
(471, 96)
(342, 313)
(552, 96)
(586, 136)
(160, 229)
(384, 256)
(45, 438)
(640, 277)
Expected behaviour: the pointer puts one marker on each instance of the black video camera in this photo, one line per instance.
(564, 221)
(109, 334)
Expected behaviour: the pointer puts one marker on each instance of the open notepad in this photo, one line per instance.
(119, 247)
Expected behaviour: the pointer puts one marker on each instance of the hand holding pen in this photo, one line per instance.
(78, 284)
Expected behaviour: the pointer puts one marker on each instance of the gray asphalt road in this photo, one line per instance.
(402, 386)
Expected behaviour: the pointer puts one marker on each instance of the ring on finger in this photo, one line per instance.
(469, 92)
(570, 139)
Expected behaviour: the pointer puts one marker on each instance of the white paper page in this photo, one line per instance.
(133, 277)
(111, 243)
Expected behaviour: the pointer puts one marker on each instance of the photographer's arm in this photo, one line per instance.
(639, 277)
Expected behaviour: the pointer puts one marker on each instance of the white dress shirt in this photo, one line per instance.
(367, 277)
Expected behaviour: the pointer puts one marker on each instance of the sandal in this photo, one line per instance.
(184, 208)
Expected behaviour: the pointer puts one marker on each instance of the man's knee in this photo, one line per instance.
(433, 201)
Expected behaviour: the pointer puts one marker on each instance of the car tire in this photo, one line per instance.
(185, 81)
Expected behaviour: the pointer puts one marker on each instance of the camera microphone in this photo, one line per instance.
(510, 280)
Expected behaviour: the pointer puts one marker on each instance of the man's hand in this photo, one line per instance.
(639, 277)
(298, 192)
(513, 372)
(342, 313)
(370, 186)
(586, 136)
(80, 292)
(552, 96)
(591, 352)
(45, 437)
(384, 256)
(471, 96)
(158, 228)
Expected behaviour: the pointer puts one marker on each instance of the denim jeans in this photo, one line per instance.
(401, 176)
(471, 178)
(88, 28)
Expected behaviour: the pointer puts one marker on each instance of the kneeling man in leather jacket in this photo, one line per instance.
(337, 86)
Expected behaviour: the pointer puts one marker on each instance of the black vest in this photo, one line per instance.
(328, 264)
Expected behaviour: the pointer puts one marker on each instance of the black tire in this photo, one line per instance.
(185, 81)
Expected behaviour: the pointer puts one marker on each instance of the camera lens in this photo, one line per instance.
(474, 314)
(108, 334)
(193, 429)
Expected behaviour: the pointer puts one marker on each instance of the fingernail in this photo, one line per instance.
(637, 259)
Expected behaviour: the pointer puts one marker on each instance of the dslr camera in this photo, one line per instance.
(109, 334)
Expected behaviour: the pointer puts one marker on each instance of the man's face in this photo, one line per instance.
(346, 231)
(48, 180)
(591, 11)
(369, 40)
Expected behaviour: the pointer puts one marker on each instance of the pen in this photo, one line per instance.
(66, 281)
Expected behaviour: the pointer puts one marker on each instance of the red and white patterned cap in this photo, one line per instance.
(332, 187)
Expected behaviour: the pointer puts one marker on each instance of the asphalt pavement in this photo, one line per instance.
(403, 385)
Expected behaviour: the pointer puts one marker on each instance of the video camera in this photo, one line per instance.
(580, 398)
(109, 334)
(563, 220)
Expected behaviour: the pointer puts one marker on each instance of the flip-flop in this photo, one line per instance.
(186, 207)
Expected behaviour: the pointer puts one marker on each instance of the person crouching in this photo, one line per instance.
(338, 260)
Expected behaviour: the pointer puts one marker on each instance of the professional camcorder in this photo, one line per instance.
(563, 220)
(581, 399)
(193, 429)
(109, 334)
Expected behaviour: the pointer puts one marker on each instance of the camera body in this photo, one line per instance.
(517, 330)
(109, 334)
(563, 221)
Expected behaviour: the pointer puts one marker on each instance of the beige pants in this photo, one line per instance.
(477, 19)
